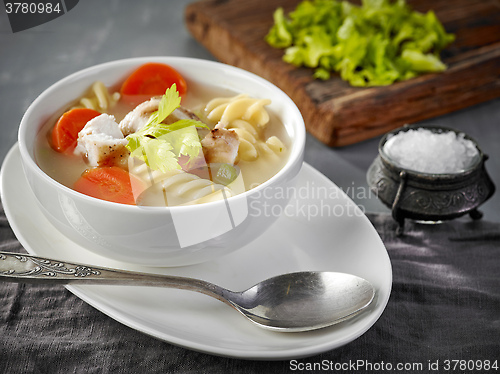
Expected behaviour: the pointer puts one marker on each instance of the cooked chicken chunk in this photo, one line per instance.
(181, 113)
(102, 142)
(137, 118)
(220, 145)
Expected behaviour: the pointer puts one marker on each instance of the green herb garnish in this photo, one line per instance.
(160, 145)
(375, 44)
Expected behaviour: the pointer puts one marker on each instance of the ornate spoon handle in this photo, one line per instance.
(21, 268)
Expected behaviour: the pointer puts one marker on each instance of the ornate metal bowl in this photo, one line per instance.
(425, 196)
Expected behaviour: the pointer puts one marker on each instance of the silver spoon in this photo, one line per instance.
(290, 302)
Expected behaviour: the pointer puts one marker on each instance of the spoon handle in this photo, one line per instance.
(22, 268)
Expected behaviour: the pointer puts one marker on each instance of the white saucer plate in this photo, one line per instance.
(320, 229)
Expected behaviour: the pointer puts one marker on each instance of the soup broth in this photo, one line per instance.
(271, 150)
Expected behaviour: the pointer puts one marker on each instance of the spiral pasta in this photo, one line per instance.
(179, 187)
(99, 98)
(226, 110)
(251, 146)
(192, 187)
(248, 118)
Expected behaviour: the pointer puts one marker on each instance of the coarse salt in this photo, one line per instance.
(430, 152)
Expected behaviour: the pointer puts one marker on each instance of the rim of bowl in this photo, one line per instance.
(298, 137)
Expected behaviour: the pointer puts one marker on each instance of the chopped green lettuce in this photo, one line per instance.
(160, 145)
(279, 33)
(375, 44)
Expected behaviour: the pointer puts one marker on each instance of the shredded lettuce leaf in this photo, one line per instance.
(160, 145)
(375, 44)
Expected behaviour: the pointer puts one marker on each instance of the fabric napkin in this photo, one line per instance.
(445, 305)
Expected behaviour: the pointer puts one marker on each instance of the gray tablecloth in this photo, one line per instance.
(444, 306)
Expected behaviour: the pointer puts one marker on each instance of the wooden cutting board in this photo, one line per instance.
(336, 113)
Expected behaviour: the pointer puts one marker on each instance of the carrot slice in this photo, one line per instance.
(153, 79)
(65, 131)
(110, 183)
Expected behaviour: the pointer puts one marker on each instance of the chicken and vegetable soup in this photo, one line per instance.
(154, 141)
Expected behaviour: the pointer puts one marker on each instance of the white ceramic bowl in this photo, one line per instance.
(159, 236)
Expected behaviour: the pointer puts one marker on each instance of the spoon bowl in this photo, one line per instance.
(305, 300)
(292, 302)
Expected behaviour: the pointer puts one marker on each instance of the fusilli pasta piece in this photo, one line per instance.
(247, 117)
(192, 187)
(251, 146)
(99, 98)
(226, 110)
(180, 187)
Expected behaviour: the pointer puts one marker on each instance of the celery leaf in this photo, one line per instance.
(159, 144)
